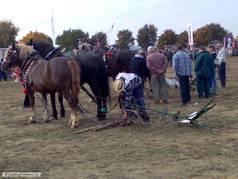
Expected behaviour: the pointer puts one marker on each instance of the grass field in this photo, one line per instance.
(134, 152)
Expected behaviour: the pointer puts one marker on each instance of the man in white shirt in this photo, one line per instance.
(221, 57)
(130, 88)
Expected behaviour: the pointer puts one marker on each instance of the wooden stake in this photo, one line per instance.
(100, 126)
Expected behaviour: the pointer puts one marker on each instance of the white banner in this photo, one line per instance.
(190, 34)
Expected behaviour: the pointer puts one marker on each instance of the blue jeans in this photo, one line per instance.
(138, 101)
(138, 94)
(213, 86)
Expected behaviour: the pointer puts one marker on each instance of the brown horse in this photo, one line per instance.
(60, 74)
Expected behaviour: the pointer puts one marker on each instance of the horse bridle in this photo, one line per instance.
(11, 52)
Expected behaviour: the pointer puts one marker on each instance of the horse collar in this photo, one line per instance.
(29, 69)
(32, 56)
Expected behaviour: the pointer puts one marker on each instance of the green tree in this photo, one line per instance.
(168, 37)
(182, 38)
(69, 38)
(124, 39)
(37, 36)
(8, 33)
(147, 35)
(208, 33)
(101, 37)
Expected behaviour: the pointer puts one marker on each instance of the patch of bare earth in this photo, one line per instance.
(134, 152)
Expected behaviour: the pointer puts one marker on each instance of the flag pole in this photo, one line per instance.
(53, 27)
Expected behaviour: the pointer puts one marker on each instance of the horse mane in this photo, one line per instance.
(6, 53)
(24, 50)
(86, 47)
(42, 47)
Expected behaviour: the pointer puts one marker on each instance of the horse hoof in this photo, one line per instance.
(102, 118)
(47, 119)
(73, 126)
(53, 118)
(70, 123)
(62, 114)
(31, 120)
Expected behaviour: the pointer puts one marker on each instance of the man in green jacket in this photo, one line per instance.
(204, 69)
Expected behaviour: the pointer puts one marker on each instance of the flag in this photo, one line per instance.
(190, 35)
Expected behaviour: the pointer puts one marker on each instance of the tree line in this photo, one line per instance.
(146, 36)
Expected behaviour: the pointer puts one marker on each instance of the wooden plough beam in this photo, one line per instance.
(100, 127)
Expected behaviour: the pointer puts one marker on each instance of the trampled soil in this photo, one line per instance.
(160, 150)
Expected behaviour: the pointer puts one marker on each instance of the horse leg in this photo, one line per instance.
(32, 104)
(61, 101)
(73, 122)
(26, 103)
(47, 114)
(54, 110)
(101, 104)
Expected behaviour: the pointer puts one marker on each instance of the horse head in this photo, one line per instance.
(17, 55)
(86, 47)
(118, 61)
(11, 58)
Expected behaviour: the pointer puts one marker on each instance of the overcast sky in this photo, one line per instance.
(98, 15)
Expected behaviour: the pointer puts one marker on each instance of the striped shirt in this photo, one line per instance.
(132, 81)
(182, 64)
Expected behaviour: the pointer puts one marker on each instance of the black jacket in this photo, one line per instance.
(138, 66)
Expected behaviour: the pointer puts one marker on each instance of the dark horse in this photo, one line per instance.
(118, 61)
(93, 72)
(60, 74)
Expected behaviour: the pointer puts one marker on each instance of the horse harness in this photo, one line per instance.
(28, 66)
(53, 53)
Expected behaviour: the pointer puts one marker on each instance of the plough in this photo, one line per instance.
(177, 117)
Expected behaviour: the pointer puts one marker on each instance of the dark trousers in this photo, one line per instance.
(184, 89)
(138, 94)
(222, 74)
(3, 75)
(203, 87)
(26, 103)
(138, 101)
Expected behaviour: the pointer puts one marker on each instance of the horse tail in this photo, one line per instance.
(75, 73)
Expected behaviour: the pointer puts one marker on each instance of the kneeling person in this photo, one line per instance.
(130, 88)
